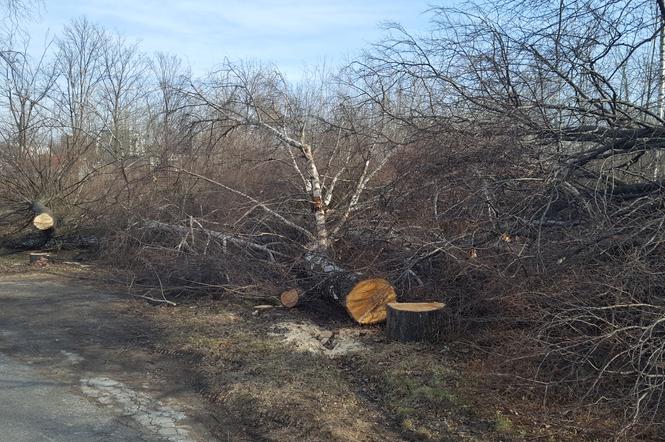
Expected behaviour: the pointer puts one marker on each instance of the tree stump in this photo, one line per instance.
(39, 259)
(414, 321)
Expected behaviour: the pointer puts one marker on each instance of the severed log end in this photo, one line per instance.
(43, 221)
(414, 321)
(367, 300)
(290, 298)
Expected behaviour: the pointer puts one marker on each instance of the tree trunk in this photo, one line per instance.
(29, 241)
(414, 321)
(37, 216)
(42, 217)
(661, 83)
(363, 298)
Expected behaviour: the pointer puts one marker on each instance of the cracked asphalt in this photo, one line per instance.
(35, 408)
(75, 367)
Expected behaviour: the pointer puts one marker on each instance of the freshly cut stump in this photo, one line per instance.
(414, 321)
(366, 301)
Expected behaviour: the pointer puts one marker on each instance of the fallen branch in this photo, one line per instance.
(172, 228)
(150, 298)
(267, 209)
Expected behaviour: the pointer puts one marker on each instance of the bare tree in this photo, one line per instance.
(80, 64)
(170, 120)
(121, 96)
(15, 9)
(14, 12)
(305, 136)
(558, 106)
(25, 92)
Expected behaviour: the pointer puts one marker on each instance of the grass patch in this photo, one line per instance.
(502, 423)
(419, 391)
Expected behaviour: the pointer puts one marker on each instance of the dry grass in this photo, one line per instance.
(386, 392)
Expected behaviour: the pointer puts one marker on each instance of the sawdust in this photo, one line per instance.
(308, 337)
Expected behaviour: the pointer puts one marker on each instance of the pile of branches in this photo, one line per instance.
(540, 172)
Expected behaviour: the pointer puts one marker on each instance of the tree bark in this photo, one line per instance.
(41, 223)
(414, 321)
(364, 298)
(39, 258)
(661, 83)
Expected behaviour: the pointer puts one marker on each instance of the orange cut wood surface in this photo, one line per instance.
(290, 298)
(366, 302)
(416, 306)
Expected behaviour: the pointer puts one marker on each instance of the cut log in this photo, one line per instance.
(364, 298)
(414, 321)
(289, 298)
(45, 240)
(43, 218)
(73, 242)
(33, 224)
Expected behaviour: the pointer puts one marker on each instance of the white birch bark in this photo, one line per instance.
(321, 244)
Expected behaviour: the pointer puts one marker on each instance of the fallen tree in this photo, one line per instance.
(181, 230)
(364, 298)
(36, 218)
(46, 240)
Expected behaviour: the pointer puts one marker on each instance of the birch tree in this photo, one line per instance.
(323, 149)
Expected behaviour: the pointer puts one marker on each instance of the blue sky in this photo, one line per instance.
(290, 33)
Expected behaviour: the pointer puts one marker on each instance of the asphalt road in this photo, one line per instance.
(74, 367)
(33, 408)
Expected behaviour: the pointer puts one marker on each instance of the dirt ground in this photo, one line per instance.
(243, 371)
